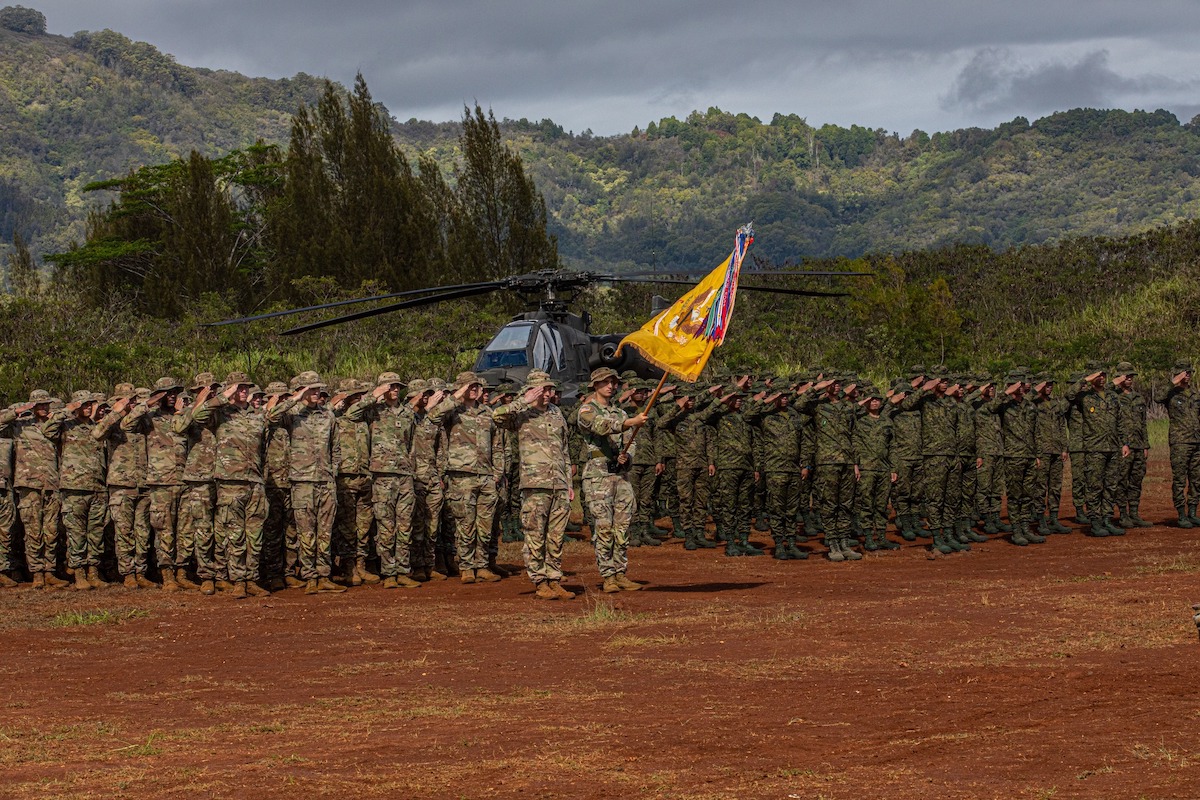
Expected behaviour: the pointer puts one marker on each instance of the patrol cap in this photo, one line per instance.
(467, 378)
(238, 379)
(1125, 370)
(602, 374)
(628, 376)
(309, 380)
(202, 380)
(388, 379)
(437, 385)
(916, 371)
(416, 386)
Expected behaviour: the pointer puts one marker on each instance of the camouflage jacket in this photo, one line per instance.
(1051, 426)
(354, 445)
(694, 439)
(601, 437)
(939, 423)
(313, 448)
(126, 450)
(240, 438)
(391, 429)
(36, 450)
(833, 441)
(202, 444)
(781, 436)
(734, 440)
(166, 449)
(646, 454)
(873, 443)
(81, 464)
(989, 434)
(906, 430)
(964, 429)
(428, 451)
(7, 446)
(1183, 413)
(1132, 425)
(471, 447)
(275, 470)
(1020, 420)
(1099, 414)
(541, 443)
(664, 441)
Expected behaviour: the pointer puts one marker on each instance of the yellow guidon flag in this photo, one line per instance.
(680, 339)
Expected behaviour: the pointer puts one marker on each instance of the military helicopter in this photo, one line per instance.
(549, 336)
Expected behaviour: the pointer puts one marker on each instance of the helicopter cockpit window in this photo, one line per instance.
(548, 349)
(509, 348)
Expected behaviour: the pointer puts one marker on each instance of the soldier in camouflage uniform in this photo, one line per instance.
(1135, 447)
(200, 490)
(313, 456)
(241, 509)
(545, 482)
(1099, 414)
(939, 467)
(872, 439)
(128, 502)
(643, 470)
(1080, 491)
(393, 497)
(81, 478)
(908, 454)
(507, 523)
(429, 468)
(694, 465)
(835, 470)
(355, 507)
(665, 410)
(166, 458)
(1183, 437)
(280, 555)
(989, 450)
(36, 431)
(8, 508)
(734, 478)
(1019, 419)
(474, 465)
(1052, 448)
(780, 435)
(603, 427)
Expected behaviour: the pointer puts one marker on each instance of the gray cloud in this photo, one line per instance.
(613, 64)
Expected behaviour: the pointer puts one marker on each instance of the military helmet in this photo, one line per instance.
(601, 374)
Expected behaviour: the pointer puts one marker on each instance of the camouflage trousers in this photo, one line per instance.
(642, 479)
(172, 546)
(544, 514)
(1185, 475)
(907, 490)
(240, 515)
(668, 488)
(8, 521)
(939, 485)
(872, 493)
(611, 503)
(734, 500)
(833, 487)
(39, 516)
(130, 512)
(511, 502)
(84, 515)
(1132, 470)
(471, 499)
(196, 523)
(1079, 480)
(355, 515)
(281, 547)
(989, 484)
(783, 501)
(314, 505)
(395, 501)
(1103, 476)
(692, 485)
(426, 522)
(1050, 482)
(1021, 482)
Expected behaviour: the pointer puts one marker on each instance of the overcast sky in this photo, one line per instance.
(611, 65)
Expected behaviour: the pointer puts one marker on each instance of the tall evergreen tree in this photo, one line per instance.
(23, 278)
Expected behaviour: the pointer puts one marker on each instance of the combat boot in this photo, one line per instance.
(506, 533)
(406, 582)
(292, 582)
(360, 569)
(208, 587)
(573, 527)
(656, 529)
(1081, 516)
(129, 581)
(611, 586)
(239, 591)
(145, 583)
(1112, 527)
(168, 581)
(1056, 526)
(355, 578)
(1183, 521)
(1005, 527)
(326, 585)
(6, 582)
(970, 534)
(959, 534)
(732, 548)
(1136, 517)
(468, 576)
(1191, 512)
(54, 582)
(626, 584)
(181, 578)
(677, 529)
(835, 548)
(991, 523)
(849, 552)
(793, 551)
(39, 581)
(389, 582)
(254, 590)
(951, 540)
(689, 541)
(906, 528)
(1033, 538)
(93, 577)
(486, 575)
(780, 552)
(869, 543)
(749, 549)
(704, 542)
(310, 586)
(761, 523)
(1044, 525)
(224, 585)
(496, 568)
(434, 575)
(719, 535)
(939, 543)
(635, 535)
(559, 592)
(81, 582)
(1099, 529)
(1122, 520)
(544, 592)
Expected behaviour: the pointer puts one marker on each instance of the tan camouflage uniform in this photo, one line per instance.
(200, 490)
(128, 503)
(312, 460)
(8, 508)
(166, 459)
(36, 478)
(355, 512)
(81, 478)
(280, 546)
(609, 496)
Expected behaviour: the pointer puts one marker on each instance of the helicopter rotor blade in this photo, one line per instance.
(770, 289)
(339, 303)
(471, 291)
(755, 272)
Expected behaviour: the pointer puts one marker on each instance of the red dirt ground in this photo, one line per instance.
(1054, 671)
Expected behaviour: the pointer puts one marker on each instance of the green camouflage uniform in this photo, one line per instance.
(200, 493)
(128, 502)
(940, 462)
(907, 457)
(313, 455)
(666, 446)
(355, 499)
(281, 548)
(1019, 421)
(393, 495)
(474, 464)
(1132, 433)
(1099, 412)
(872, 439)
(1052, 443)
(8, 508)
(608, 494)
(166, 458)
(781, 437)
(84, 501)
(833, 460)
(989, 449)
(1183, 437)
(543, 455)
(1080, 490)
(734, 479)
(964, 491)
(642, 478)
(694, 442)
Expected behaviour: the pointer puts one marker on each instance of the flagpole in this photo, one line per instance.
(649, 405)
